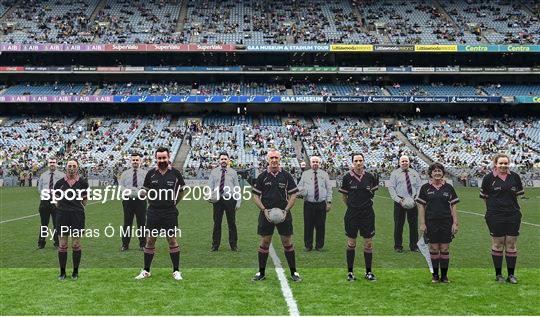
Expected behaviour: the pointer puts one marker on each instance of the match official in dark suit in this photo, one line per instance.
(316, 189)
(133, 179)
(224, 184)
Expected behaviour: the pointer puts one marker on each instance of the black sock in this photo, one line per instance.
(62, 259)
(263, 257)
(350, 258)
(511, 259)
(497, 257)
(76, 259)
(445, 261)
(435, 259)
(368, 257)
(148, 257)
(290, 256)
(174, 252)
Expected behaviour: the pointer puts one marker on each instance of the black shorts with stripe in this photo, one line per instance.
(166, 221)
(362, 221)
(439, 230)
(266, 228)
(503, 224)
(69, 223)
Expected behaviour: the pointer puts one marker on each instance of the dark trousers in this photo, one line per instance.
(229, 208)
(47, 211)
(133, 208)
(399, 221)
(314, 218)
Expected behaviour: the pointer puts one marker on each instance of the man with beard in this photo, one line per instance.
(164, 186)
(224, 184)
(133, 206)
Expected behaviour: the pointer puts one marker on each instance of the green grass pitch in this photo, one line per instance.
(219, 283)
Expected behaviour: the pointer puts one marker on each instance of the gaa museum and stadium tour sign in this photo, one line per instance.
(338, 48)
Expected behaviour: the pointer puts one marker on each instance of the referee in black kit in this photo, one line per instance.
(223, 182)
(316, 189)
(275, 188)
(500, 190)
(404, 183)
(70, 218)
(358, 188)
(164, 186)
(47, 210)
(133, 179)
(438, 219)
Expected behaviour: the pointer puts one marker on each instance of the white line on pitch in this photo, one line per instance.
(33, 215)
(285, 288)
(472, 213)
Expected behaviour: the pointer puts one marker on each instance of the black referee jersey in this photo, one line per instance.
(274, 189)
(166, 186)
(75, 204)
(360, 189)
(437, 201)
(501, 195)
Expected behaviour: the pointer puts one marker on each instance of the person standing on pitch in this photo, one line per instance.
(316, 189)
(70, 218)
(275, 188)
(358, 188)
(46, 209)
(164, 186)
(133, 179)
(404, 183)
(500, 190)
(224, 182)
(438, 219)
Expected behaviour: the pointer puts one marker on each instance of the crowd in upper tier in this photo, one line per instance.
(271, 22)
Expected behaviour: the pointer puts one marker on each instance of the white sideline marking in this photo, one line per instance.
(285, 288)
(30, 216)
(473, 213)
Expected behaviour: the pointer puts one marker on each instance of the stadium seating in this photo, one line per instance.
(51, 21)
(103, 144)
(335, 139)
(257, 88)
(138, 21)
(245, 142)
(500, 22)
(270, 22)
(436, 89)
(512, 90)
(27, 142)
(105, 151)
(50, 89)
(344, 89)
(241, 89)
(125, 89)
(466, 147)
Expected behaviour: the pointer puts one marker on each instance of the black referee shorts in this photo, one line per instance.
(166, 221)
(266, 228)
(439, 230)
(501, 225)
(69, 223)
(362, 221)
